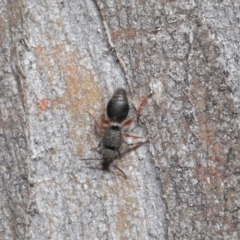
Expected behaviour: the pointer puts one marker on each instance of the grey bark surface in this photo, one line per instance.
(61, 60)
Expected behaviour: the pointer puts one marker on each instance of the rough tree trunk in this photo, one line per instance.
(60, 59)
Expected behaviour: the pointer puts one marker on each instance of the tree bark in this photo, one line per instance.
(61, 60)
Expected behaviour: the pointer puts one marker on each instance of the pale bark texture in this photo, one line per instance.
(61, 60)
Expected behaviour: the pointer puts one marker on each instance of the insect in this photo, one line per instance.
(113, 129)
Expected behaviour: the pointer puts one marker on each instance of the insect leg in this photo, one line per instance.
(99, 126)
(137, 113)
(126, 134)
(121, 171)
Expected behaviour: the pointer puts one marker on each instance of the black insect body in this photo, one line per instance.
(117, 112)
(113, 136)
(118, 107)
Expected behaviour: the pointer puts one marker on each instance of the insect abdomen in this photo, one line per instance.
(118, 107)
